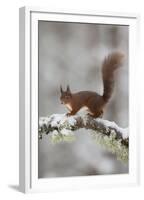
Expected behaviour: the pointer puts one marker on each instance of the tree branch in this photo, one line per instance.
(104, 132)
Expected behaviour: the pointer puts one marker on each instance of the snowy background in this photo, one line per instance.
(72, 53)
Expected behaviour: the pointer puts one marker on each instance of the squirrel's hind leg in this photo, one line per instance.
(101, 115)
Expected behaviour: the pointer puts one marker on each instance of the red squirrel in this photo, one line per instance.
(92, 101)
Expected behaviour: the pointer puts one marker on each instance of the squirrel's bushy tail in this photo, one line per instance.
(110, 64)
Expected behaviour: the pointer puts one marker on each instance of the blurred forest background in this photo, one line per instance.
(72, 53)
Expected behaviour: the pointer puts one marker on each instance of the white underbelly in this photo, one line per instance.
(68, 107)
(84, 110)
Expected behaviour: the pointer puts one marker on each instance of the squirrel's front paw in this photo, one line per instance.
(68, 114)
(89, 115)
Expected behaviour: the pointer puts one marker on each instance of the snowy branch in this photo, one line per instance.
(106, 133)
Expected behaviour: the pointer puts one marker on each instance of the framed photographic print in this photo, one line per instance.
(78, 115)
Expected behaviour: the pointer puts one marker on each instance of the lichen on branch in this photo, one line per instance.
(108, 134)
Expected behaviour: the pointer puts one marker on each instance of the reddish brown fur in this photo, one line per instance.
(93, 101)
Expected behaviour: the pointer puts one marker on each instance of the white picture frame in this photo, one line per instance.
(28, 161)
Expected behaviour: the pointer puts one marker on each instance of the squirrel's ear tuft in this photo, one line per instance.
(68, 89)
(61, 90)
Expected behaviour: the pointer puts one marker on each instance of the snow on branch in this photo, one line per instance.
(107, 134)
